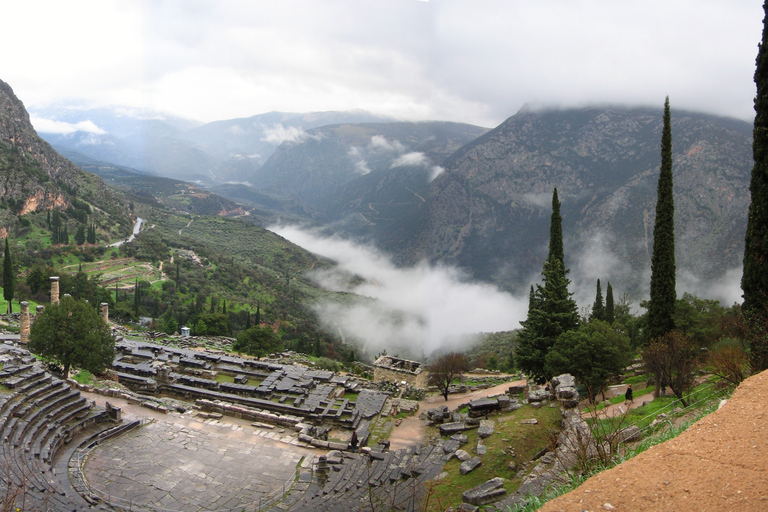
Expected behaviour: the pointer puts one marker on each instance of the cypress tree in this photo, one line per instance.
(661, 308)
(552, 309)
(610, 315)
(257, 320)
(598, 308)
(8, 276)
(754, 280)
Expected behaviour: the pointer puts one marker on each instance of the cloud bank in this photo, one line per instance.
(279, 134)
(414, 310)
(43, 125)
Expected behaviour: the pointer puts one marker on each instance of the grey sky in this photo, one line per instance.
(475, 61)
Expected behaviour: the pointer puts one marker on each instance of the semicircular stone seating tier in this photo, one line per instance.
(42, 421)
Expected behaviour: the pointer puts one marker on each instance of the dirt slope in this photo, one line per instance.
(718, 464)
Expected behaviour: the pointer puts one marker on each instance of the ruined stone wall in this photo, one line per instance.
(414, 380)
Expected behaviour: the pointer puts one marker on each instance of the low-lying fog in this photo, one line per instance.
(420, 309)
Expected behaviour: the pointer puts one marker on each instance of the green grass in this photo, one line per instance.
(84, 377)
(637, 379)
(525, 440)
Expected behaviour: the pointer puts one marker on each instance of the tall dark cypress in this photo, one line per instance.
(610, 314)
(754, 280)
(8, 276)
(663, 295)
(598, 308)
(552, 310)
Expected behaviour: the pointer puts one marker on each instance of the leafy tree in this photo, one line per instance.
(73, 334)
(754, 280)
(593, 354)
(674, 358)
(445, 369)
(551, 308)
(663, 295)
(701, 319)
(212, 324)
(598, 308)
(257, 341)
(8, 276)
(610, 314)
(729, 360)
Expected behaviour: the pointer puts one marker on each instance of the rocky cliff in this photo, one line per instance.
(35, 177)
(489, 211)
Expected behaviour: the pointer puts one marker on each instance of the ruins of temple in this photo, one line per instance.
(394, 369)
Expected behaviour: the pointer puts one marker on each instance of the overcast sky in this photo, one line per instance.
(472, 60)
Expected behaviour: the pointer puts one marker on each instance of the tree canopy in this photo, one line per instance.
(445, 369)
(592, 354)
(257, 341)
(8, 276)
(754, 280)
(551, 309)
(73, 334)
(663, 293)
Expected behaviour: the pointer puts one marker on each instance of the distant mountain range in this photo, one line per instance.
(217, 152)
(464, 195)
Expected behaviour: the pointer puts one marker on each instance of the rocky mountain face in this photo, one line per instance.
(35, 177)
(326, 158)
(488, 212)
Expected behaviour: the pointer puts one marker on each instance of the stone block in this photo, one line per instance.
(470, 465)
(538, 395)
(462, 455)
(481, 448)
(447, 429)
(531, 421)
(629, 434)
(461, 438)
(334, 457)
(489, 492)
(333, 445)
(563, 380)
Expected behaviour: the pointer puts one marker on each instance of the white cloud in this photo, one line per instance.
(541, 200)
(435, 172)
(416, 310)
(412, 159)
(43, 125)
(361, 167)
(279, 134)
(379, 142)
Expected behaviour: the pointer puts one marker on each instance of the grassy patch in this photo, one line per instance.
(350, 396)
(525, 440)
(220, 377)
(84, 377)
(637, 379)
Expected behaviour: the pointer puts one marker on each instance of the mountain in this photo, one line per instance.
(323, 159)
(35, 178)
(488, 212)
(217, 152)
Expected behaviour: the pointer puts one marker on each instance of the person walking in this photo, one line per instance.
(628, 395)
(353, 441)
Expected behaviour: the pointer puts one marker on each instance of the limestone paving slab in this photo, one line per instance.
(192, 467)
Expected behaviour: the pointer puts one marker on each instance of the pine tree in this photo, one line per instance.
(8, 276)
(661, 308)
(598, 308)
(754, 280)
(610, 314)
(552, 310)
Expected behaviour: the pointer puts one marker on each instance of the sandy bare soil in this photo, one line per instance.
(718, 464)
(412, 430)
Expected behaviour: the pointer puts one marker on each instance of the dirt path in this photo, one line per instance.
(412, 430)
(620, 408)
(717, 464)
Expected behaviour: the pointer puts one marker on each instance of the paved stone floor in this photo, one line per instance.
(187, 464)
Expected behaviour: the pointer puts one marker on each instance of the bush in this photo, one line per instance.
(325, 363)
